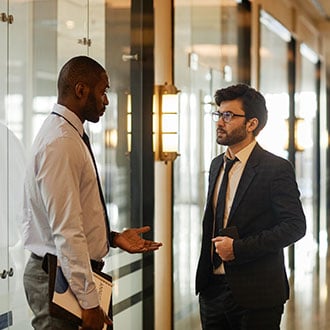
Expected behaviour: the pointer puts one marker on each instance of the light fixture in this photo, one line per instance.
(165, 122)
(299, 134)
(129, 122)
(111, 138)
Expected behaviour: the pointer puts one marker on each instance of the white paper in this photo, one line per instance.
(64, 297)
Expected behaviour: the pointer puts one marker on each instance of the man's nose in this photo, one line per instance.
(220, 121)
(106, 100)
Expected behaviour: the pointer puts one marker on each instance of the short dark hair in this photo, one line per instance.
(253, 102)
(78, 69)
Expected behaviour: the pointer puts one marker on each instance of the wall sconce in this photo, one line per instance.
(299, 134)
(111, 138)
(129, 122)
(165, 122)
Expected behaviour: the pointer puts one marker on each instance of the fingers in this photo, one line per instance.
(152, 247)
(107, 319)
(147, 247)
(218, 239)
(142, 230)
(152, 244)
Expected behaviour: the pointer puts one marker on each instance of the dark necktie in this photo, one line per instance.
(86, 140)
(220, 209)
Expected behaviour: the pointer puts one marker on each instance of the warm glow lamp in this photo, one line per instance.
(165, 122)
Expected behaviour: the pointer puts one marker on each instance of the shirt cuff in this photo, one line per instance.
(113, 234)
(90, 300)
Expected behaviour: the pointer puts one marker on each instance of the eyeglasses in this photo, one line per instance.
(227, 116)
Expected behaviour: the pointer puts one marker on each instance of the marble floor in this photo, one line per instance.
(309, 305)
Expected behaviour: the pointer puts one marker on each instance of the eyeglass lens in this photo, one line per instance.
(226, 116)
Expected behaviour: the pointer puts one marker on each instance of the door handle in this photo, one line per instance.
(9, 273)
(130, 57)
(10, 19)
(5, 18)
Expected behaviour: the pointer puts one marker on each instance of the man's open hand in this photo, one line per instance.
(131, 241)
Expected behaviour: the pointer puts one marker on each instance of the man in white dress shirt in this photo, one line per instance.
(64, 213)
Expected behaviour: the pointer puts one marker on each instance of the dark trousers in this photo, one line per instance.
(219, 311)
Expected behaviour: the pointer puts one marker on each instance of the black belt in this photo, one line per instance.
(96, 265)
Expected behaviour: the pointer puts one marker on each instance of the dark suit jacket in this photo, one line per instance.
(268, 215)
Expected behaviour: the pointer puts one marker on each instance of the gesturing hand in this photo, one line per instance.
(131, 241)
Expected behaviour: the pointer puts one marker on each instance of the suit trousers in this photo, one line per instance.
(36, 291)
(219, 311)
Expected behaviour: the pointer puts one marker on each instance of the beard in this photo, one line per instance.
(91, 111)
(235, 136)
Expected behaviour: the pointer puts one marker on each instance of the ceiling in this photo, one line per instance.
(319, 12)
(323, 7)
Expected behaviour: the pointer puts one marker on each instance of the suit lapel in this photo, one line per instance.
(214, 173)
(248, 174)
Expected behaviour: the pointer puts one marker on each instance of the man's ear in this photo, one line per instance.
(252, 124)
(81, 90)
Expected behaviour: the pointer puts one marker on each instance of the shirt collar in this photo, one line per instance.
(70, 116)
(244, 154)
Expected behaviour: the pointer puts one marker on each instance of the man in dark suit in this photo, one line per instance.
(241, 277)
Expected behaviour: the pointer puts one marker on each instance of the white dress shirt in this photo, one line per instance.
(63, 213)
(234, 177)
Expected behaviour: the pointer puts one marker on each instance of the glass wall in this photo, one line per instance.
(206, 54)
(307, 160)
(41, 38)
(289, 81)
(14, 99)
(274, 84)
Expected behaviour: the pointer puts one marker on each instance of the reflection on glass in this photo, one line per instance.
(274, 84)
(306, 109)
(206, 51)
(274, 137)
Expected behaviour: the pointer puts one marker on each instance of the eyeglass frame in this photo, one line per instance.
(227, 116)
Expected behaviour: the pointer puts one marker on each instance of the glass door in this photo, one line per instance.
(274, 84)
(206, 52)
(18, 100)
(128, 156)
(14, 29)
(72, 29)
(117, 183)
(43, 36)
(4, 305)
(4, 284)
(307, 162)
(308, 149)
